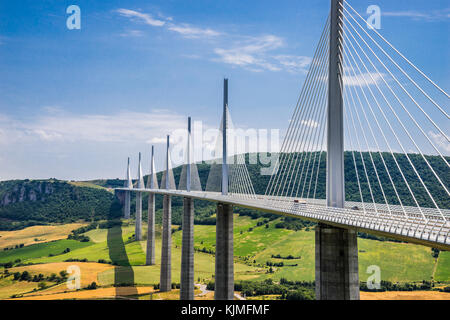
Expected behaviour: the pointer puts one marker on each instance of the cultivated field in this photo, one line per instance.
(37, 234)
(254, 246)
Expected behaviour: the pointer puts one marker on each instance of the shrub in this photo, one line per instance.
(42, 285)
(92, 286)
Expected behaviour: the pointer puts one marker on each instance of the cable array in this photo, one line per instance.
(395, 130)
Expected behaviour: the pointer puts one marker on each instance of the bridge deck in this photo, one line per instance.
(405, 224)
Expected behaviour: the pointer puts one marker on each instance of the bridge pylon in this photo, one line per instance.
(166, 249)
(128, 184)
(224, 270)
(152, 183)
(140, 185)
(187, 245)
(336, 248)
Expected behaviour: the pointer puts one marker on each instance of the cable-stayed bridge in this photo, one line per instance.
(362, 95)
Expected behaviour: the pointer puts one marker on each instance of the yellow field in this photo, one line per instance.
(37, 234)
(89, 270)
(144, 293)
(405, 295)
(101, 293)
(8, 289)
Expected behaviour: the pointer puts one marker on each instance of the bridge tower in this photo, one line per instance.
(152, 183)
(187, 245)
(224, 271)
(336, 248)
(166, 249)
(128, 184)
(140, 185)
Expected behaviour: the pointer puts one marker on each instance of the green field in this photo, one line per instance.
(254, 246)
(443, 267)
(398, 262)
(29, 253)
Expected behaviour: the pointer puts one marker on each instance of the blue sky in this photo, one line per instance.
(75, 103)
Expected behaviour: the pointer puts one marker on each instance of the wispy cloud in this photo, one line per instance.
(416, 15)
(192, 32)
(64, 127)
(440, 141)
(294, 63)
(364, 79)
(142, 17)
(254, 53)
(250, 53)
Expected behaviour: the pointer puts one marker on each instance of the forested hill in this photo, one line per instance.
(260, 182)
(28, 202)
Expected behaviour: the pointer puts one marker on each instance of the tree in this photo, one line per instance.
(92, 286)
(42, 285)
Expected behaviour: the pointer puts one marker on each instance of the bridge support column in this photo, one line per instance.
(187, 251)
(166, 250)
(150, 258)
(127, 205)
(138, 227)
(336, 264)
(224, 275)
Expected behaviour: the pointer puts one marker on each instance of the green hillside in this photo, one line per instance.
(28, 202)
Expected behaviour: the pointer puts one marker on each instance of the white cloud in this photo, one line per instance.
(416, 15)
(120, 127)
(294, 63)
(189, 31)
(157, 140)
(143, 17)
(440, 141)
(364, 79)
(251, 53)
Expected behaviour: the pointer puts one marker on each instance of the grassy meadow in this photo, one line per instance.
(113, 257)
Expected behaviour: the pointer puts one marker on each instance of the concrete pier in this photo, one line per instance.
(336, 248)
(336, 264)
(166, 250)
(152, 183)
(127, 205)
(224, 276)
(138, 225)
(140, 185)
(150, 258)
(187, 251)
(128, 184)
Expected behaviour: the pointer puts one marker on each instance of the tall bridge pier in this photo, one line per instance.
(140, 185)
(224, 271)
(187, 251)
(166, 249)
(336, 248)
(128, 184)
(152, 184)
(187, 245)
